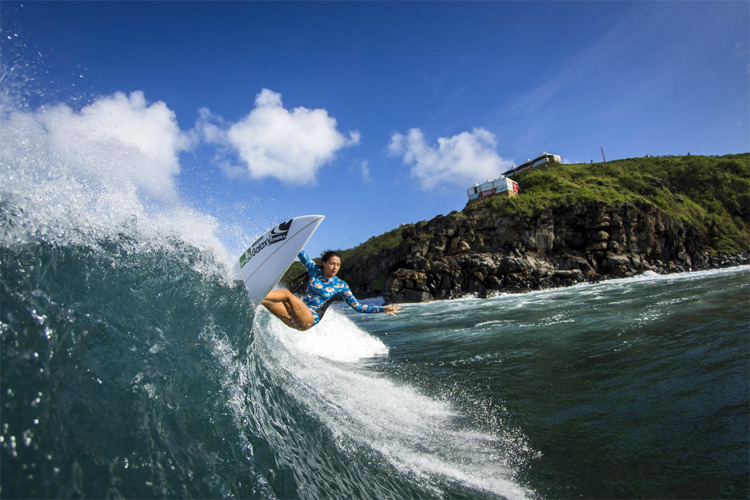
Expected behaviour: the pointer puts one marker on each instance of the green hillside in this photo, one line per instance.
(712, 193)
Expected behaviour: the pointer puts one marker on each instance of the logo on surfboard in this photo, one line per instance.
(274, 236)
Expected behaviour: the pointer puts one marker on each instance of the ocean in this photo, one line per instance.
(134, 366)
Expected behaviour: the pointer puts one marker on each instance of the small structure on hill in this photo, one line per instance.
(501, 186)
(542, 159)
(504, 186)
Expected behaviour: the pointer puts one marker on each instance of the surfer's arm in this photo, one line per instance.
(309, 264)
(357, 305)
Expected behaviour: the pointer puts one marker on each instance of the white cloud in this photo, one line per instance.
(118, 141)
(364, 169)
(463, 159)
(291, 146)
(207, 130)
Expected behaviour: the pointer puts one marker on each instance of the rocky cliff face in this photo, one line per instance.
(486, 252)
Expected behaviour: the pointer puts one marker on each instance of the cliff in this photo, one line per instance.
(571, 224)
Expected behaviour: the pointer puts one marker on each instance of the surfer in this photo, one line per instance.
(322, 285)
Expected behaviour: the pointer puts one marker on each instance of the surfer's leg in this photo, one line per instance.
(289, 309)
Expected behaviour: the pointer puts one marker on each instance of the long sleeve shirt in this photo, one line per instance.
(320, 289)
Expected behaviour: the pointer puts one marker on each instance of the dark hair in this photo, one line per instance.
(298, 285)
(327, 256)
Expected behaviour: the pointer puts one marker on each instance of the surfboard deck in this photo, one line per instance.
(263, 264)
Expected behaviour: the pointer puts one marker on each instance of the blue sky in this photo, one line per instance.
(371, 113)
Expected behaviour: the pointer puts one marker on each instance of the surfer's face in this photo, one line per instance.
(331, 266)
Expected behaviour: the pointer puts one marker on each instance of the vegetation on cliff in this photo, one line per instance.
(711, 193)
(708, 194)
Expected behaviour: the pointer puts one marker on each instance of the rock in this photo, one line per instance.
(617, 265)
(485, 251)
(597, 246)
(599, 236)
(568, 274)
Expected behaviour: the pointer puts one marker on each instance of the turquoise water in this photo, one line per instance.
(134, 366)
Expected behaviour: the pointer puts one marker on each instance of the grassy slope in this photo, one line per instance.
(710, 192)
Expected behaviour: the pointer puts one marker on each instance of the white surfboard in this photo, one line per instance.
(265, 262)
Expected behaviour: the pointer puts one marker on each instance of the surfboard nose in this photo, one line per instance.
(267, 259)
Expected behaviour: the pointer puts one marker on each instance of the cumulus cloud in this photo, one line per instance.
(118, 142)
(274, 142)
(463, 159)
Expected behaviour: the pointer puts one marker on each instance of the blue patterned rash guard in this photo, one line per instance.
(320, 289)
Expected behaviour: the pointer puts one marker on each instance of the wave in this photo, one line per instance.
(104, 373)
(133, 364)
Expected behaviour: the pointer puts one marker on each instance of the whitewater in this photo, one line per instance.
(134, 366)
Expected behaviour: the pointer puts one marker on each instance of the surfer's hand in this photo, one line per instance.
(392, 309)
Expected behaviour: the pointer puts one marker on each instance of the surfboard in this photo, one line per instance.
(263, 264)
